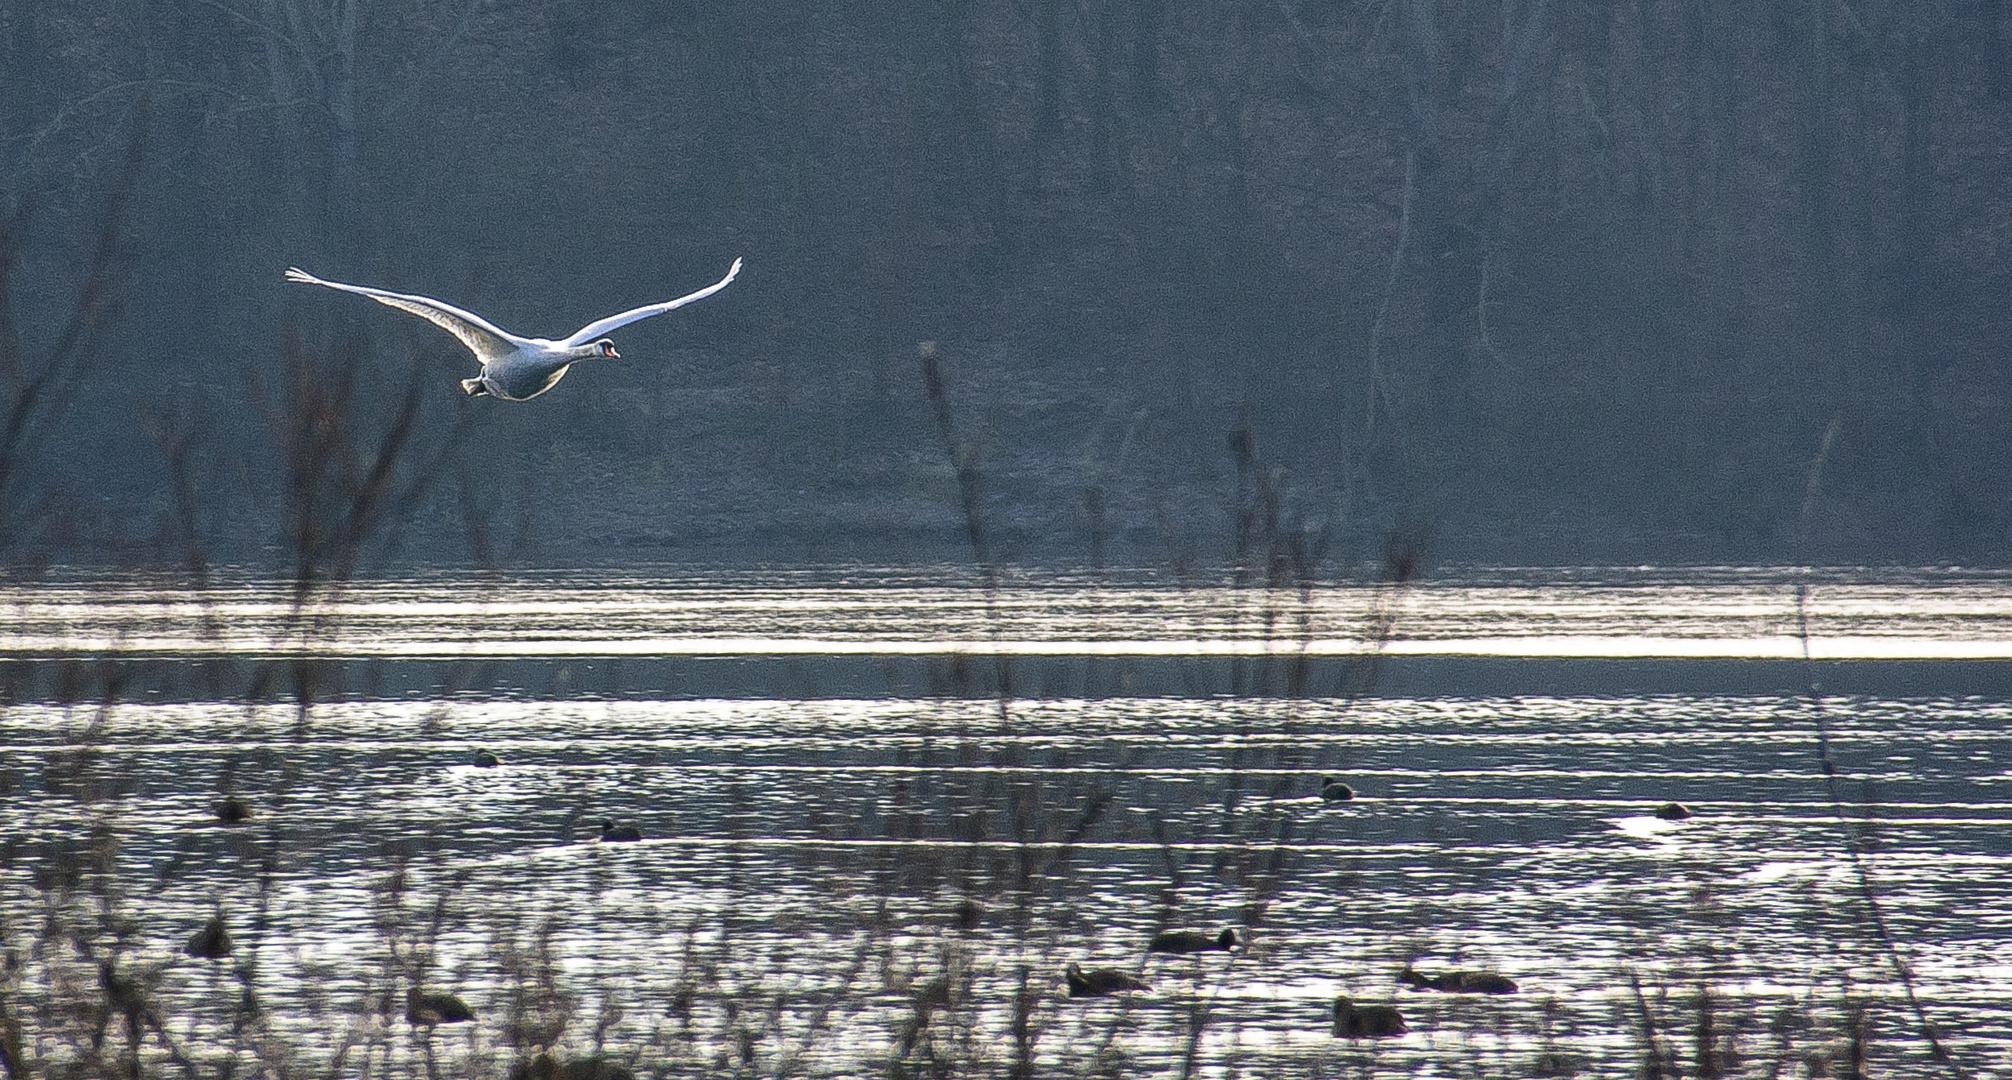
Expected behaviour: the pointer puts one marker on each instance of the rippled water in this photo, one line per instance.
(804, 857)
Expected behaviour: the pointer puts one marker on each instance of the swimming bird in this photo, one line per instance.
(1366, 1021)
(1673, 811)
(233, 810)
(1459, 982)
(212, 942)
(486, 760)
(1551, 1063)
(427, 1009)
(1193, 941)
(546, 1067)
(612, 832)
(1335, 791)
(516, 368)
(1101, 982)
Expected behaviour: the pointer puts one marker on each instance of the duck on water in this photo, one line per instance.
(212, 942)
(1459, 982)
(1100, 982)
(425, 1009)
(1193, 941)
(1354, 1021)
(233, 810)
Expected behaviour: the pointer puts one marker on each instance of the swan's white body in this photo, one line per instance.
(516, 368)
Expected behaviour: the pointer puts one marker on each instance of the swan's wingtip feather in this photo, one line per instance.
(295, 273)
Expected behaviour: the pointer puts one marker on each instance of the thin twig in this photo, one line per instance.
(1852, 846)
(1376, 388)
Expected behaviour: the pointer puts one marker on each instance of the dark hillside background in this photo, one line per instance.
(1552, 280)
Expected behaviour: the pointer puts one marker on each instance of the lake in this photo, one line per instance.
(861, 857)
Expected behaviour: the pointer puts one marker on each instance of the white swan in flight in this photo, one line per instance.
(516, 368)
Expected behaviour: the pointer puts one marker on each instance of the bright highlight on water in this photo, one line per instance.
(1726, 614)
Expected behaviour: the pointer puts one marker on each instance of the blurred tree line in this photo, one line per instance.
(1559, 279)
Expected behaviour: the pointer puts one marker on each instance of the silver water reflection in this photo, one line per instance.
(804, 859)
(1723, 612)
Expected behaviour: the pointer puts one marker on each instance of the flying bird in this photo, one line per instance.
(516, 368)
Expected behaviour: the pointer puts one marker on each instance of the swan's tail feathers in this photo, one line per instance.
(295, 273)
(473, 387)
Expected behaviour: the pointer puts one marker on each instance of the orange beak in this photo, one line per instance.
(609, 352)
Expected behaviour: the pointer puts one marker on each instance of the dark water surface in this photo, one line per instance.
(794, 897)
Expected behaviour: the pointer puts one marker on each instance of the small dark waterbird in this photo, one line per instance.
(212, 942)
(486, 760)
(1100, 982)
(516, 368)
(1673, 811)
(1333, 790)
(1551, 1063)
(1193, 941)
(233, 810)
(1459, 982)
(425, 1009)
(546, 1067)
(1354, 1021)
(613, 833)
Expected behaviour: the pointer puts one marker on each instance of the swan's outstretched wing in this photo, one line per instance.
(594, 330)
(482, 337)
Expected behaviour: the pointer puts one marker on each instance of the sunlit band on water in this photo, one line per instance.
(1724, 614)
(349, 645)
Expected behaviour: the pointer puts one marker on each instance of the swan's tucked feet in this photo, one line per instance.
(473, 387)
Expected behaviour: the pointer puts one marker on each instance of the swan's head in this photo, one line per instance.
(606, 348)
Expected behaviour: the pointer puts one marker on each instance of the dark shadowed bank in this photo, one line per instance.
(1572, 281)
